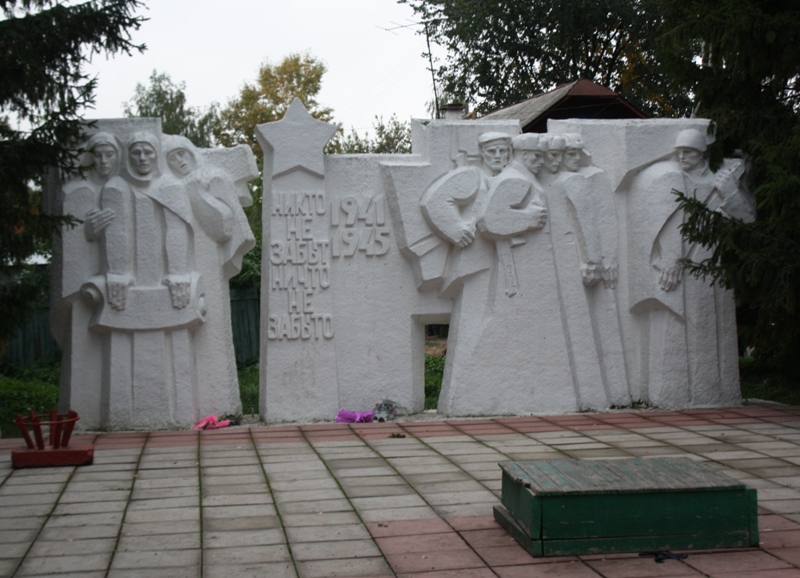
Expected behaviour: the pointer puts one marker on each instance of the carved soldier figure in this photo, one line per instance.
(77, 258)
(687, 334)
(555, 152)
(453, 205)
(513, 207)
(584, 228)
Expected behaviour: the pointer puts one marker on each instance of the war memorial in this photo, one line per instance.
(555, 258)
(557, 261)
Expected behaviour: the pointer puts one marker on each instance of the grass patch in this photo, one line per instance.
(248, 388)
(434, 370)
(34, 388)
(248, 383)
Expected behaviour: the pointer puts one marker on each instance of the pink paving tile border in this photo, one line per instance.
(482, 426)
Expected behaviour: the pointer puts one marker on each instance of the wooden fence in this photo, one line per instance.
(34, 343)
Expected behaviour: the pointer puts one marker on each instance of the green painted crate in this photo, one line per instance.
(572, 507)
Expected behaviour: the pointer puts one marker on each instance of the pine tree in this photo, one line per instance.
(747, 80)
(44, 45)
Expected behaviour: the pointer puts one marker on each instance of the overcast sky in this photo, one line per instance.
(215, 47)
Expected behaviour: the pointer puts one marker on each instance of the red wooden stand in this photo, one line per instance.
(57, 452)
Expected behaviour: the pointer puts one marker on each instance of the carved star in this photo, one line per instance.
(297, 140)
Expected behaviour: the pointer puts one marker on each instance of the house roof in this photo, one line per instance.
(578, 99)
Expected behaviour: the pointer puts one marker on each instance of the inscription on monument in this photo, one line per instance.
(299, 267)
(360, 225)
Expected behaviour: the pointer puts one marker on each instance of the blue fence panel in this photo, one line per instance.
(245, 316)
(35, 343)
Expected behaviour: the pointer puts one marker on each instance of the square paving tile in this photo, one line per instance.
(39, 565)
(729, 562)
(349, 567)
(570, 569)
(316, 507)
(184, 541)
(434, 560)
(246, 555)
(268, 569)
(780, 539)
(406, 544)
(385, 528)
(333, 550)
(162, 528)
(327, 533)
(156, 559)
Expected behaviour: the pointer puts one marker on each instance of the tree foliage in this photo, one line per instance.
(747, 81)
(391, 137)
(506, 51)
(298, 75)
(167, 100)
(44, 45)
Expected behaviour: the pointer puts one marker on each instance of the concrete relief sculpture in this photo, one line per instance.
(154, 303)
(585, 249)
(556, 259)
(558, 270)
(82, 199)
(216, 189)
(513, 207)
(685, 328)
(500, 275)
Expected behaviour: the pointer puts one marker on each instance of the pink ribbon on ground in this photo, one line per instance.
(212, 422)
(347, 416)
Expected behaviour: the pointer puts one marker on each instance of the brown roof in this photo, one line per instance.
(578, 99)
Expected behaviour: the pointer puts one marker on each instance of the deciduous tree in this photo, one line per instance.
(167, 100)
(391, 137)
(298, 75)
(506, 51)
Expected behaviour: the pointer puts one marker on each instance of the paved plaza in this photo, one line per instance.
(406, 499)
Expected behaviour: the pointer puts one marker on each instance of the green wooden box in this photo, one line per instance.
(572, 507)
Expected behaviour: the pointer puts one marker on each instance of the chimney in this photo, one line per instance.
(453, 111)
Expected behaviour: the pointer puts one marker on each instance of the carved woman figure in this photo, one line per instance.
(221, 232)
(148, 245)
(139, 208)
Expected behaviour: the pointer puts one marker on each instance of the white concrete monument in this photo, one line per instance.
(142, 308)
(554, 258)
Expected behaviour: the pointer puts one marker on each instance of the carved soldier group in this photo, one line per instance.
(144, 279)
(552, 216)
